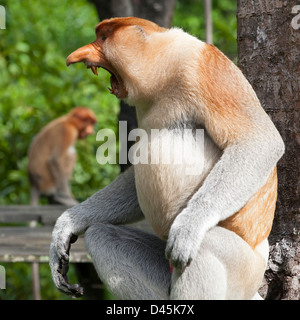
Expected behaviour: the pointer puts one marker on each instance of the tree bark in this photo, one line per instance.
(269, 55)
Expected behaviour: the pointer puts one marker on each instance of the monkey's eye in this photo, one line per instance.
(103, 37)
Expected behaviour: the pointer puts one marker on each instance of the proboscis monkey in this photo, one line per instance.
(211, 227)
(52, 155)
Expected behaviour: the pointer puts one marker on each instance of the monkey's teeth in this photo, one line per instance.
(94, 70)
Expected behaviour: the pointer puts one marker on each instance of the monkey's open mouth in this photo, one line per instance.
(117, 87)
(93, 59)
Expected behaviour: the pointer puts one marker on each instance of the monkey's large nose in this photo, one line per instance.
(80, 55)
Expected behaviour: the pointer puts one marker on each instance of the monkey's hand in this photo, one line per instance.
(185, 237)
(62, 239)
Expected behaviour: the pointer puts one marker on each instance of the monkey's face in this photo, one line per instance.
(86, 130)
(84, 119)
(122, 48)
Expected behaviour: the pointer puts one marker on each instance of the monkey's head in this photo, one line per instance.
(84, 120)
(134, 51)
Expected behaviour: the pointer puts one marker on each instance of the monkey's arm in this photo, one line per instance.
(115, 204)
(243, 168)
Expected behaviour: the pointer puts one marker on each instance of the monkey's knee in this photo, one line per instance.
(96, 238)
(130, 262)
(124, 243)
(103, 239)
(105, 242)
(225, 268)
(99, 240)
(204, 279)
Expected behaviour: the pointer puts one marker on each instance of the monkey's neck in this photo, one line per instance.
(172, 111)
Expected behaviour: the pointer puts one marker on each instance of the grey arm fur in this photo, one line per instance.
(243, 168)
(117, 203)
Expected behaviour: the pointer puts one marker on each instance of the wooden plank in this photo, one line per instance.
(46, 214)
(24, 244)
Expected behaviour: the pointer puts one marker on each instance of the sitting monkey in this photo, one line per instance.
(52, 156)
(211, 227)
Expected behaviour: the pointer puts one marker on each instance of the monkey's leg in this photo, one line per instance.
(64, 200)
(130, 262)
(226, 267)
(34, 195)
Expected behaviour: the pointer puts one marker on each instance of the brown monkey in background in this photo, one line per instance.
(52, 155)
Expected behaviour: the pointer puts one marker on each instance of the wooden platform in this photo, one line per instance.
(46, 215)
(25, 244)
(21, 243)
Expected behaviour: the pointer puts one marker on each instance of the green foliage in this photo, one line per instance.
(225, 27)
(19, 282)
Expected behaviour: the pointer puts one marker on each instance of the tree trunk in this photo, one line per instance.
(208, 21)
(269, 56)
(158, 11)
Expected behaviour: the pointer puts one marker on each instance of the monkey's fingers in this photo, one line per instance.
(177, 260)
(73, 290)
(180, 248)
(62, 242)
(67, 245)
(59, 265)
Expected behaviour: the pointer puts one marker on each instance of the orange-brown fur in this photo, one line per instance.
(53, 142)
(108, 27)
(226, 121)
(225, 99)
(254, 221)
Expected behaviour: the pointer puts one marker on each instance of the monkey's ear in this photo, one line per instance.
(141, 31)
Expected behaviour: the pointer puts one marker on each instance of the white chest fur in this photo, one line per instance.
(71, 151)
(166, 182)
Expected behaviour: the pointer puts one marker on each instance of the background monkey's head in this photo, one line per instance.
(84, 120)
